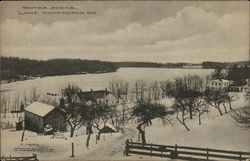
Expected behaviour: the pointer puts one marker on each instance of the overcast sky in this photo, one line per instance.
(129, 31)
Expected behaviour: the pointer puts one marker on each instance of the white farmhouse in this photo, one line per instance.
(99, 97)
(219, 84)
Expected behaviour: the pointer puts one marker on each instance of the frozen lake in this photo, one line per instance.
(54, 84)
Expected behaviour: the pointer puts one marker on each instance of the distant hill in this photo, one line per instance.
(213, 65)
(149, 64)
(15, 68)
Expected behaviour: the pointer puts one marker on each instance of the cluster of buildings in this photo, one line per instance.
(42, 118)
(223, 84)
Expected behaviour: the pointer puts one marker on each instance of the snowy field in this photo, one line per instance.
(219, 132)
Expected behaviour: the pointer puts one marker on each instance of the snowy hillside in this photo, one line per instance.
(215, 132)
(219, 132)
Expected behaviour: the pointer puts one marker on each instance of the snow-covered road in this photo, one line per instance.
(113, 148)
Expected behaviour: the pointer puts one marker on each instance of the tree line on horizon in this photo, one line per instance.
(223, 65)
(14, 68)
(237, 74)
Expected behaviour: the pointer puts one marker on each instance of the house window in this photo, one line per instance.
(107, 101)
(100, 101)
(212, 83)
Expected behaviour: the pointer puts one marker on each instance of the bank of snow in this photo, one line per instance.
(47, 147)
(219, 132)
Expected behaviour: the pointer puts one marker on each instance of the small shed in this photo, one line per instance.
(38, 116)
(19, 125)
(108, 129)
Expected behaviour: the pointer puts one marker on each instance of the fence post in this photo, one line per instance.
(127, 148)
(151, 150)
(72, 148)
(35, 156)
(174, 153)
(207, 154)
(3, 158)
(161, 150)
(240, 155)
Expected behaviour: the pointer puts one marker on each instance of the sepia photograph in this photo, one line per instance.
(124, 80)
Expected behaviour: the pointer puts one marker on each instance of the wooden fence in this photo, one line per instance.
(183, 152)
(11, 158)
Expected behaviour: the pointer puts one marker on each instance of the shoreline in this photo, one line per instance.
(33, 78)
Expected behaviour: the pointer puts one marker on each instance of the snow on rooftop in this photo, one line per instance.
(108, 125)
(39, 109)
(222, 80)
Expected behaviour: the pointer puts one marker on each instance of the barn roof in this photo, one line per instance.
(108, 128)
(92, 95)
(39, 109)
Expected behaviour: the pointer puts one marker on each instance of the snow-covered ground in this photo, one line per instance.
(48, 147)
(215, 132)
(220, 132)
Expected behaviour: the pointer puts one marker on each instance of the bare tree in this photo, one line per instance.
(201, 107)
(89, 113)
(145, 112)
(3, 105)
(71, 107)
(119, 88)
(50, 100)
(140, 90)
(187, 94)
(125, 113)
(34, 95)
(181, 112)
(166, 88)
(227, 100)
(25, 98)
(193, 86)
(215, 98)
(102, 115)
(154, 91)
(16, 103)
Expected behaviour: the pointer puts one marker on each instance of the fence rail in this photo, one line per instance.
(182, 152)
(23, 158)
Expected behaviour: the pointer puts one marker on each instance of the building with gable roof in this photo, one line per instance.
(220, 84)
(99, 97)
(39, 115)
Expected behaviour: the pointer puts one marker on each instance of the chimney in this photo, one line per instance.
(106, 89)
(91, 90)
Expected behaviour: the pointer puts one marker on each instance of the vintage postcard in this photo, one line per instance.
(124, 80)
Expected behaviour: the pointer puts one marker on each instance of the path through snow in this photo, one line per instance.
(113, 148)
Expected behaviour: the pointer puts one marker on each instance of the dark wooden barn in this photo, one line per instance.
(108, 129)
(39, 115)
